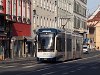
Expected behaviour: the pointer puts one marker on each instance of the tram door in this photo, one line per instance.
(78, 48)
(69, 46)
(81, 47)
(73, 47)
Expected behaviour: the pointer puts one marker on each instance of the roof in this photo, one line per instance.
(94, 18)
(50, 29)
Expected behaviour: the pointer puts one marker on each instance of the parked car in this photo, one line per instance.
(85, 49)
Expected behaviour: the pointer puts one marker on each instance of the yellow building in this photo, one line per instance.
(93, 23)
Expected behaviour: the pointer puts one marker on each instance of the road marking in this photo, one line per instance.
(48, 73)
(29, 66)
(82, 67)
(8, 66)
(64, 67)
(65, 73)
(73, 71)
(33, 65)
(94, 67)
(79, 69)
(44, 69)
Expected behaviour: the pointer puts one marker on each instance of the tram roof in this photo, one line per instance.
(50, 30)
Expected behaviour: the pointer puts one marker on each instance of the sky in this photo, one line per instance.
(92, 5)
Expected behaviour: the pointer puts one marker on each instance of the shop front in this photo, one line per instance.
(21, 47)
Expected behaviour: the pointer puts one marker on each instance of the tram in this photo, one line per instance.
(57, 45)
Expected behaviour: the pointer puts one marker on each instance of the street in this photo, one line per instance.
(88, 65)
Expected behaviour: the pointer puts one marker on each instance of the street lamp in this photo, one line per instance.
(63, 25)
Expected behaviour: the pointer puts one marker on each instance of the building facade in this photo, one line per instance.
(2, 27)
(80, 8)
(17, 21)
(94, 29)
(53, 13)
(67, 14)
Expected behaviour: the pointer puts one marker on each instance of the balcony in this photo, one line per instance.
(19, 19)
(28, 21)
(8, 17)
(24, 20)
(81, 30)
(14, 18)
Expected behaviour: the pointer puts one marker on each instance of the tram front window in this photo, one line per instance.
(46, 42)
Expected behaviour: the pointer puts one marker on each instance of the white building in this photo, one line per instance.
(80, 8)
(49, 13)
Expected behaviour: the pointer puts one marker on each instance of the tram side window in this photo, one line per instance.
(58, 44)
(63, 44)
(69, 44)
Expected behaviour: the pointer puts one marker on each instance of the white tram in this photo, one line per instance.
(54, 45)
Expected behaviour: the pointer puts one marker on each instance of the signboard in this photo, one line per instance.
(46, 31)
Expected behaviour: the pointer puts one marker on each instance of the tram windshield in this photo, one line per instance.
(46, 42)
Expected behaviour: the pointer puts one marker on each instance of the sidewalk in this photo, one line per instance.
(18, 60)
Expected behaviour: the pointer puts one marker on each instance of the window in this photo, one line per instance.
(44, 4)
(14, 7)
(47, 22)
(55, 3)
(19, 2)
(1, 7)
(8, 7)
(24, 3)
(69, 44)
(50, 6)
(79, 9)
(47, 5)
(41, 3)
(41, 21)
(37, 21)
(60, 43)
(84, 1)
(50, 23)
(34, 12)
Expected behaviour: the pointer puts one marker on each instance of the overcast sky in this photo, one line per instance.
(92, 5)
